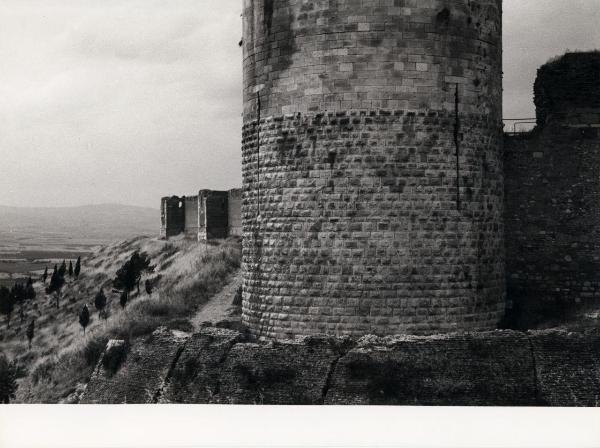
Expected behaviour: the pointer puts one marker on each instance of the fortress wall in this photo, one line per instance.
(502, 368)
(352, 219)
(552, 193)
(211, 214)
(234, 204)
(215, 210)
(191, 217)
(553, 248)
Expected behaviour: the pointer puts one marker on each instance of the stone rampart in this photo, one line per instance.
(501, 368)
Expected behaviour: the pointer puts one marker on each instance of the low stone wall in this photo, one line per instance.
(501, 368)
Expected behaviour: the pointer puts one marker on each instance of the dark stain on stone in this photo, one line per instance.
(268, 14)
(443, 17)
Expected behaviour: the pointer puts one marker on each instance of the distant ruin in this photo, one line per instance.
(211, 214)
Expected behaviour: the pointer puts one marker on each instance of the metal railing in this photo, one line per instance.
(513, 126)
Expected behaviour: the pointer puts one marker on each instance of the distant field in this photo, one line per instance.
(17, 265)
(33, 238)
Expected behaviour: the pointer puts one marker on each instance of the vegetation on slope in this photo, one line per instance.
(62, 359)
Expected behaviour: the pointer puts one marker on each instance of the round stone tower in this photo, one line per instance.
(372, 167)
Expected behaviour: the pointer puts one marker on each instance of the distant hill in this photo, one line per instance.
(89, 224)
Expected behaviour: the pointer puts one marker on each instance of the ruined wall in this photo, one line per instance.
(552, 199)
(567, 90)
(216, 218)
(172, 216)
(191, 217)
(210, 214)
(501, 368)
(360, 122)
(234, 203)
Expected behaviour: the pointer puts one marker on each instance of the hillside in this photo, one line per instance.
(187, 274)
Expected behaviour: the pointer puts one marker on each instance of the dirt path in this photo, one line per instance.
(218, 306)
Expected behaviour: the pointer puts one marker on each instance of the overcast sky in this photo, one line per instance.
(130, 100)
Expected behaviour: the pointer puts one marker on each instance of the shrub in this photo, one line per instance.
(8, 380)
(93, 349)
(115, 354)
(84, 317)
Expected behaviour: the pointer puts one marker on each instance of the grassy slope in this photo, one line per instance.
(62, 359)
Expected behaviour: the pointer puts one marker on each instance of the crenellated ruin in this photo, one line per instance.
(208, 215)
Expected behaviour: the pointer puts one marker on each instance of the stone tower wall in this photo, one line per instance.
(361, 118)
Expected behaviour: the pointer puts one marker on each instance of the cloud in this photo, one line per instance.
(124, 102)
(129, 100)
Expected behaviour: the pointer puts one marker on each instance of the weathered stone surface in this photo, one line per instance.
(197, 375)
(503, 368)
(214, 214)
(141, 376)
(234, 204)
(287, 372)
(553, 224)
(488, 369)
(192, 225)
(567, 368)
(372, 167)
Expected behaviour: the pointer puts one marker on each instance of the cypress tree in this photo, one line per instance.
(63, 269)
(30, 332)
(77, 269)
(70, 269)
(100, 301)
(123, 299)
(6, 304)
(19, 296)
(30, 290)
(8, 380)
(84, 317)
